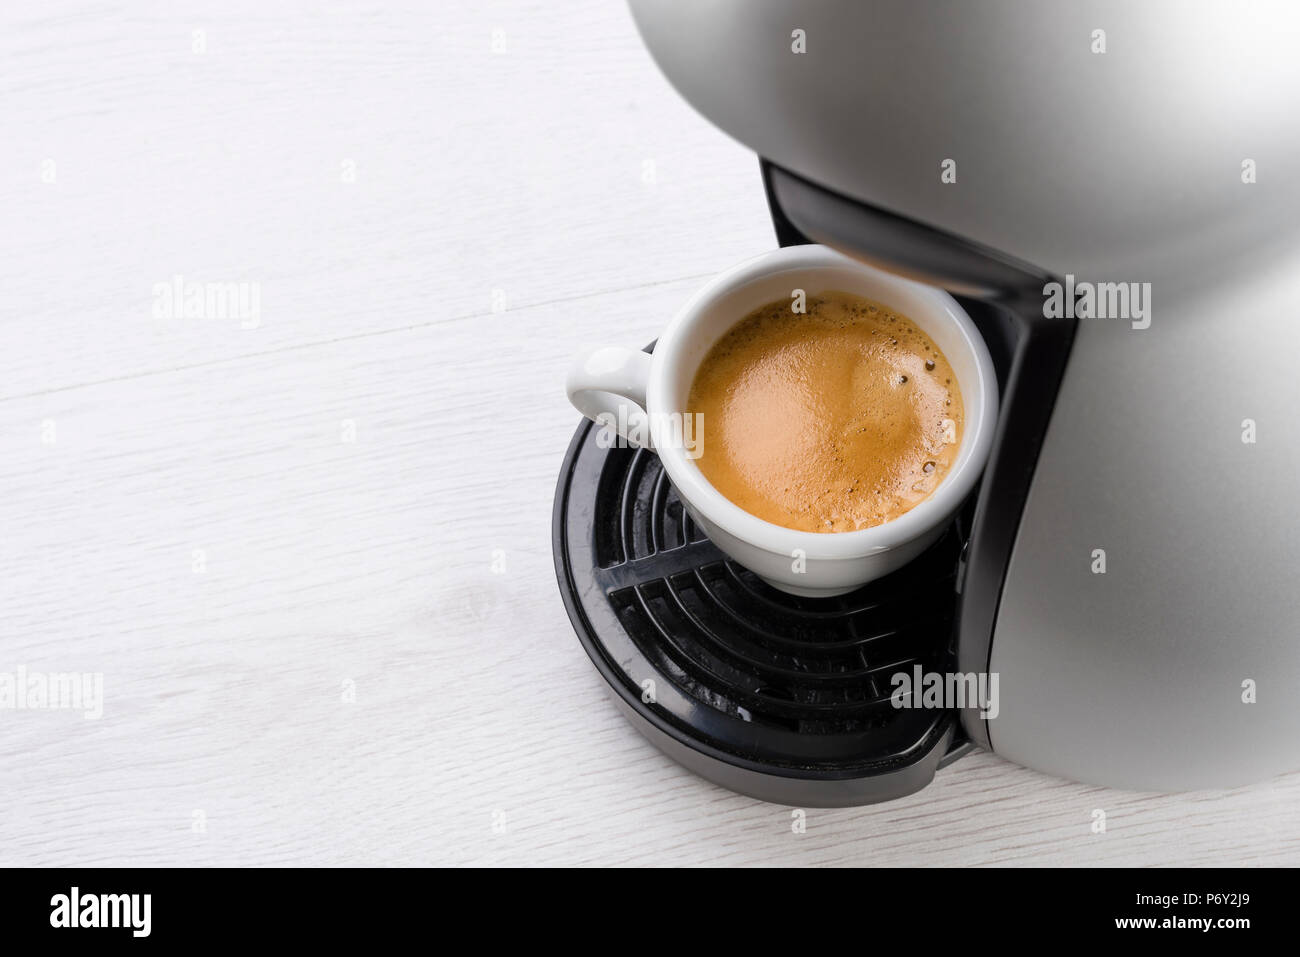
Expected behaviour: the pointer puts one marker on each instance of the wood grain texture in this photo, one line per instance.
(565, 173)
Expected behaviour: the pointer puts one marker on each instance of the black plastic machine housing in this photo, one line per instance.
(789, 699)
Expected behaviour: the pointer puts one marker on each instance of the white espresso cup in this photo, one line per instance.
(643, 397)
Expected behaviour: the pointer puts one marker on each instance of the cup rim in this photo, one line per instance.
(696, 490)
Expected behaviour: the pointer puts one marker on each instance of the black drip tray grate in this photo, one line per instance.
(699, 649)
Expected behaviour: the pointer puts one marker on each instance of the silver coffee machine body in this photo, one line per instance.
(1140, 605)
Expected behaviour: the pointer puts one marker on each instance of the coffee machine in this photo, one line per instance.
(1112, 191)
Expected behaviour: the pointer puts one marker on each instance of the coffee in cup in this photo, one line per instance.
(836, 418)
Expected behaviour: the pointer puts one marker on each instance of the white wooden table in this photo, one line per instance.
(310, 554)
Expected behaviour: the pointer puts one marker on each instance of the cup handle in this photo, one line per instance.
(608, 385)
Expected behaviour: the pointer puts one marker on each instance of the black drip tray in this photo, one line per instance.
(780, 697)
